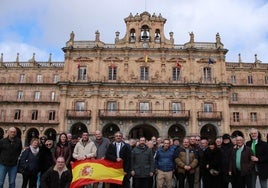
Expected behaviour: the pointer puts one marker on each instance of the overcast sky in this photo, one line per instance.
(43, 26)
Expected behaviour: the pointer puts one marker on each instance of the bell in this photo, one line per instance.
(144, 36)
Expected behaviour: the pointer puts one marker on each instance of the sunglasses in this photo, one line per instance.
(48, 144)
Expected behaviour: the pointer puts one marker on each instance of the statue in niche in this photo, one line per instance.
(144, 93)
(176, 93)
(191, 37)
(111, 92)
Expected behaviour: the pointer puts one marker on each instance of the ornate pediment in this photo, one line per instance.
(112, 59)
(83, 59)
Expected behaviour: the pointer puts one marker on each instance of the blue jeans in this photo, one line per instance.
(12, 173)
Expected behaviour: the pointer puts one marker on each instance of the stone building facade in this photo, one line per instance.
(143, 85)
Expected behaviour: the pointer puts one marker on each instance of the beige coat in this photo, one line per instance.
(82, 151)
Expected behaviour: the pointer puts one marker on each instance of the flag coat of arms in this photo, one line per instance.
(90, 171)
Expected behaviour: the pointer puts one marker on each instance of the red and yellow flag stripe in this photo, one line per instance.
(90, 171)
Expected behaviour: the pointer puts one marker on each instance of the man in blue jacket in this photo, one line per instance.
(10, 149)
(164, 162)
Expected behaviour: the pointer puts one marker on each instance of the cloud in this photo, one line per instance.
(45, 26)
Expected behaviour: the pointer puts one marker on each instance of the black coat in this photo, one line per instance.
(125, 154)
(45, 159)
(213, 158)
(245, 162)
(51, 179)
(262, 155)
(10, 151)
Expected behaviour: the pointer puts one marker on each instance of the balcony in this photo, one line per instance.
(249, 101)
(249, 122)
(244, 82)
(210, 116)
(75, 114)
(28, 120)
(151, 114)
(29, 98)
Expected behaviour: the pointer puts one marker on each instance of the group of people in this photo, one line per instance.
(194, 163)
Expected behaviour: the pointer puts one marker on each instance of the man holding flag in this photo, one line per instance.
(120, 151)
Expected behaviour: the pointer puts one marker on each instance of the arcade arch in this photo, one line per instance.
(143, 130)
(237, 133)
(109, 130)
(78, 128)
(177, 130)
(208, 131)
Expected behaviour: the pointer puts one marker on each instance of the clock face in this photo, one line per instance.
(145, 45)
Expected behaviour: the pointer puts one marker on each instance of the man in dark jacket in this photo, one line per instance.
(10, 149)
(226, 149)
(241, 165)
(58, 176)
(120, 151)
(142, 164)
(260, 158)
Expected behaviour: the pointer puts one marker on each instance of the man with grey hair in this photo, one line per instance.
(260, 158)
(120, 151)
(10, 149)
(240, 167)
(102, 145)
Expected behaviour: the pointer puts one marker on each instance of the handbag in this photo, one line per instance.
(23, 165)
(214, 172)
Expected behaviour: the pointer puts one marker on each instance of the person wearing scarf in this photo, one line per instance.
(30, 158)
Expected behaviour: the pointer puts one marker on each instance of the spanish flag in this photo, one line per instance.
(90, 171)
(145, 57)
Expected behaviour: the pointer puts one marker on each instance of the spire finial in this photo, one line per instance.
(239, 58)
(50, 57)
(18, 57)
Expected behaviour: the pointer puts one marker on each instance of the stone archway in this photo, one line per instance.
(237, 133)
(18, 132)
(177, 130)
(109, 130)
(51, 134)
(78, 128)
(208, 131)
(2, 133)
(31, 133)
(143, 130)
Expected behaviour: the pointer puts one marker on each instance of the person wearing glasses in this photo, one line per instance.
(118, 151)
(57, 176)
